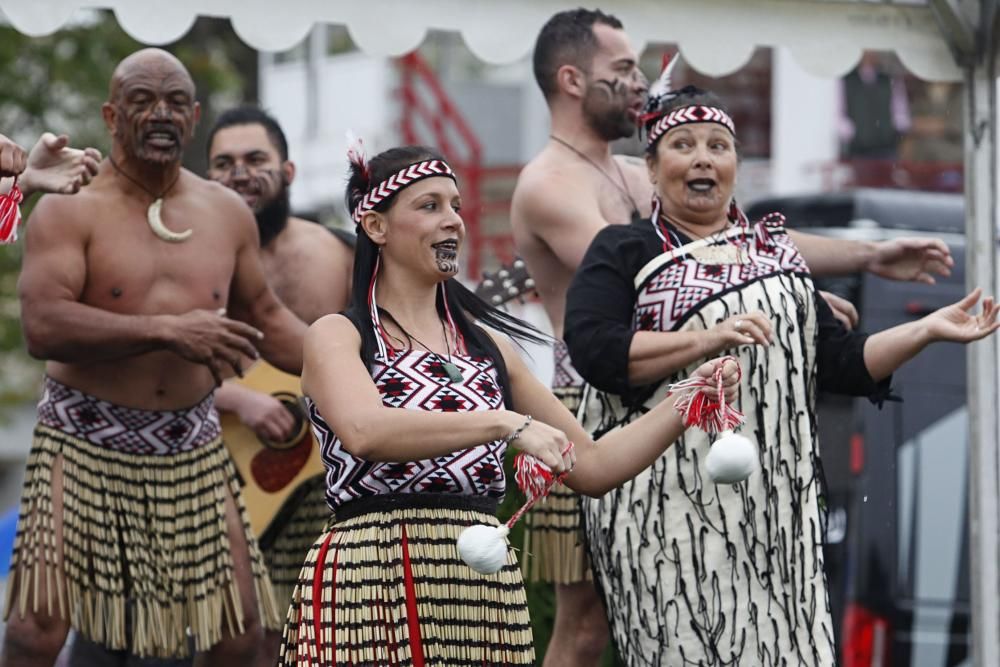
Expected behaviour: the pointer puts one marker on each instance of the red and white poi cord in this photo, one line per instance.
(10, 214)
(732, 458)
(484, 548)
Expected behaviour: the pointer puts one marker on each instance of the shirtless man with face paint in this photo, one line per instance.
(131, 528)
(587, 70)
(309, 268)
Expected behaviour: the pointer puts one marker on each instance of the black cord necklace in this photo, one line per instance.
(139, 183)
(622, 188)
(453, 372)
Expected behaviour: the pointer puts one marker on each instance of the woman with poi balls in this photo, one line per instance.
(414, 394)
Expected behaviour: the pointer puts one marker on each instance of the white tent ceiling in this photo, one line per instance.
(716, 36)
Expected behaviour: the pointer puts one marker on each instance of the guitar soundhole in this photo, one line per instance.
(294, 405)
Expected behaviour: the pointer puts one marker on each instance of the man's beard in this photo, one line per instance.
(606, 112)
(273, 217)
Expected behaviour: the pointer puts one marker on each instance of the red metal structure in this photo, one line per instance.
(430, 117)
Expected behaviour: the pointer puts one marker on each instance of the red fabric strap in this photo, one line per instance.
(412, 619)
(317, 599)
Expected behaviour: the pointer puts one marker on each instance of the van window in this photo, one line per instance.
(931, 481)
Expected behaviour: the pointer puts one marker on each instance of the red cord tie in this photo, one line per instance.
(709, 413)
(535, 479)
(10, 214)
(763, 239)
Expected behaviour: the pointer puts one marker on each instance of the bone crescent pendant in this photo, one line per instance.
(156, 224)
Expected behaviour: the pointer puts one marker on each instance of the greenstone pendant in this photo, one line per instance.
(453, 371)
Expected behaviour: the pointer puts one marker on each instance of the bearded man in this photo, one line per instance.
(309, 267)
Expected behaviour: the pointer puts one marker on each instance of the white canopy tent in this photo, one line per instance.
(716, 37)
(953, 40)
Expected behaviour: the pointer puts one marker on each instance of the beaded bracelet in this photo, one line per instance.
(518, 431)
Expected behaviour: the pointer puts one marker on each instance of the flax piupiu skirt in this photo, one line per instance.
(146, 557)
(384, 585)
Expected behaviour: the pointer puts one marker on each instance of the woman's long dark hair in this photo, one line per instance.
(461, 302)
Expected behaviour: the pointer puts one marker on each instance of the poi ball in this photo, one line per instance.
(731, 459)
(484, 548)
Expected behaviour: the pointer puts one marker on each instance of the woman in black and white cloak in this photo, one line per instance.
(695, 573)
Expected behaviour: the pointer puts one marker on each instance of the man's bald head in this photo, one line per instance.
(151, 110)
(148, 64)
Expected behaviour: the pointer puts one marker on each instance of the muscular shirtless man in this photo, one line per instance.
(142, 292)
(587, 70)
(309, 269)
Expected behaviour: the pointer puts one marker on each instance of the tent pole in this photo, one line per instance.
(982, 207)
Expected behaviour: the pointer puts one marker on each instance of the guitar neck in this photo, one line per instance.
(510, 283)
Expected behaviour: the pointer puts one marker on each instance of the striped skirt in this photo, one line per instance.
(286, 546)
(554, 547)
(146, 557)
(384, 585)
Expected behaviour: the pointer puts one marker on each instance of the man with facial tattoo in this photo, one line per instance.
(588, 72)
(309, 268)
(142, 292)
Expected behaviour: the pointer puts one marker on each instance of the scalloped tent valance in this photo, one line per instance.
(715, 37)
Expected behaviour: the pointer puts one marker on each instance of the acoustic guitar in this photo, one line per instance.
(273, 472)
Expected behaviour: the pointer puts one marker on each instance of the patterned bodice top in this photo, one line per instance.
(416, 380)
(673, 286)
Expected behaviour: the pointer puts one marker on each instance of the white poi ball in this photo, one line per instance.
(484, 548)
(731, 459)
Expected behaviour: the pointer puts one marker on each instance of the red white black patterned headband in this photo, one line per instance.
(692, 114)
(401, 179)
(661, 91)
